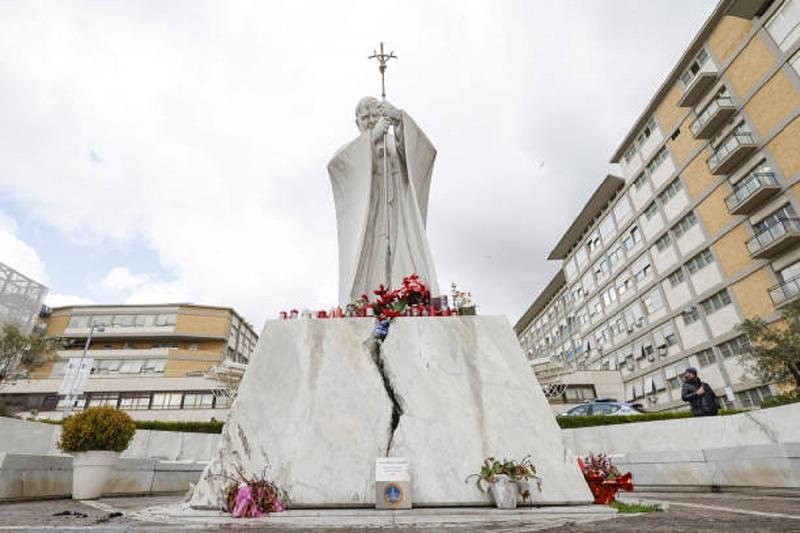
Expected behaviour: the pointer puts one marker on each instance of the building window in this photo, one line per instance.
(691, 314)
(659, 158)
(699, 261)
(651, 210)
(79, 321)
(736, 346)
(623, 283)
(664, 242)
(641, 269)
(154, 366)
(653, 301)
(630, 153)
(124, 320)
(674, 383)
(753, 397)
(640, 181)
(167, 400)
(145, 321)
(665, 337)
(622, 210)
(198, 400)
(633, 237)
(101, 399)
(646, 132)
(615, 256)
(134, 400)
(684, 224)
(676, 278)
(705, 357)
(166, 320)
(101, 320)
(784, 27)
(131, 367)
(690, 73)
(785, 212)
(716, 302)
(671, 190)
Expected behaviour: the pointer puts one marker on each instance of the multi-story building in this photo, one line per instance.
(20, 298)
(701, 229)
(160, 362)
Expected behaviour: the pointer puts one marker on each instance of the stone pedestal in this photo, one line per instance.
(313, 405)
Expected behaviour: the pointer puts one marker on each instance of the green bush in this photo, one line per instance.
(781, 399)
(213, 426)
(97, 428)
(567, 422)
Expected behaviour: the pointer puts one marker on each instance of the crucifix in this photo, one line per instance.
(384, 58)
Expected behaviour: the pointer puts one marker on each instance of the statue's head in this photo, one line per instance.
(367, 113)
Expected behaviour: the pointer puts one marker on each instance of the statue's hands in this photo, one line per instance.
(391, 112)
(380, 129)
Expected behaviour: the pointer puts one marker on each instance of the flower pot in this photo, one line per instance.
(505, 492)
(467, 311)
(90, 472)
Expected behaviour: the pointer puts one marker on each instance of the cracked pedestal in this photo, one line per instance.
(319, 407)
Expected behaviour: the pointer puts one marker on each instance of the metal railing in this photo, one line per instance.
(734, 141)
(749, 186)
(710, 111)
(772, 234)
(788, 290)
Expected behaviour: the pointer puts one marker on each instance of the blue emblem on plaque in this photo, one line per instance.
(392, 493)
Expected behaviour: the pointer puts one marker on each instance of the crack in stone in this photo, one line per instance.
(397, 408)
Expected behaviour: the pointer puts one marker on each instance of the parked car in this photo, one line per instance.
(604, 406)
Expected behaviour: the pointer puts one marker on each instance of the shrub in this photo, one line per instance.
(781, 399)
(213, 426)
(97, 428)
(567, 422)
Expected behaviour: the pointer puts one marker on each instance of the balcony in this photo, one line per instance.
(712, 117)
(732, 152)
(775, 239)
(698, 87)
(785, 292)
(751, 192)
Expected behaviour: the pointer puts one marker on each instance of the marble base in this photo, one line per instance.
(312, 412)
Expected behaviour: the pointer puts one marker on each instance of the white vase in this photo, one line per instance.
(504, 492)
(90, 473)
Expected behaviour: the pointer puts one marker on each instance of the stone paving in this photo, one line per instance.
(683, 512)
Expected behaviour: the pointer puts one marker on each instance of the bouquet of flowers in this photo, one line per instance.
(603, 477)
(253, 497)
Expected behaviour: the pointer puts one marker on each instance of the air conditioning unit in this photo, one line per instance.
(630, 366)
(639, 322)
(630, 329)
(651, 357)
(662, 350)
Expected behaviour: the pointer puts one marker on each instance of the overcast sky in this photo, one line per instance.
(176, 151)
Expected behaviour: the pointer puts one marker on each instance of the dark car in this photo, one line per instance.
(604, 406)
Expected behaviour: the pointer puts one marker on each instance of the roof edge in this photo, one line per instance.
(559, 280)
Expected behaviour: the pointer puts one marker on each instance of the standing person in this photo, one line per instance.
(701, 396)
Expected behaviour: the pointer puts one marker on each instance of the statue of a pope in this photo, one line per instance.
(359, 192)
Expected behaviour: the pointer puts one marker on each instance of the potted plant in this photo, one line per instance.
(507, 480)
(95, 438)
(604, 478)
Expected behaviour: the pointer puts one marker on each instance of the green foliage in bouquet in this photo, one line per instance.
(97, 428)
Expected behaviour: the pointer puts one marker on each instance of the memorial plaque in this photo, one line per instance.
(392, 483)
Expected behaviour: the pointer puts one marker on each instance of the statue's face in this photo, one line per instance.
(367, 115)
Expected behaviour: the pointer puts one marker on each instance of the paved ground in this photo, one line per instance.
(683, 512)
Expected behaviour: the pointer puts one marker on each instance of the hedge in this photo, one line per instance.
(781, 399)
(567, 422)
(157, 425)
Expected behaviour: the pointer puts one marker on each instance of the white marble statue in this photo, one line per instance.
(357, 177)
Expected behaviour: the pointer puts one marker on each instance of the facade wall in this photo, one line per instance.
(145, 358)
(676, 296)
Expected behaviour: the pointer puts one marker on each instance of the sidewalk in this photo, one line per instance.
(684, 512)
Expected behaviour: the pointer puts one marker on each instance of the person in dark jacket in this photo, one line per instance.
(700, 395)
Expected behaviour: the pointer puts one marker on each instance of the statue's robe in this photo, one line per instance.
(356, 173)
